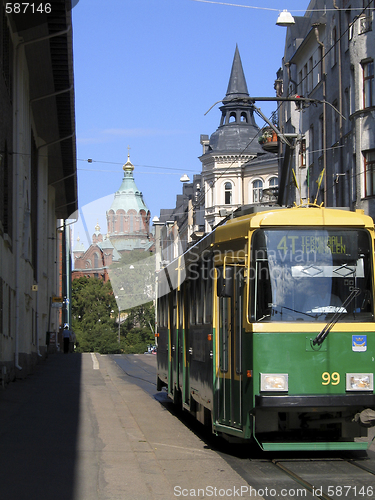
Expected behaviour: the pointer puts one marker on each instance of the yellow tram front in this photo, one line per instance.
(295, 343)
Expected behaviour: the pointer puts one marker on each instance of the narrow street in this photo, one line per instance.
(81, 428)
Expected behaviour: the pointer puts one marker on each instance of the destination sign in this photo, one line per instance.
(332, 245)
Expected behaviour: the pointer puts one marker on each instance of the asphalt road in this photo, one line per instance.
(92, 427)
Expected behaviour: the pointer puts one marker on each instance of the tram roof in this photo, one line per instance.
(295, 216)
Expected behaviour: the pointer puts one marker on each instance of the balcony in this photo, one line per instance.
(268, 140)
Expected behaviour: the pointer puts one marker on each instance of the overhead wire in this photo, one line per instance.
(228, 4)
(364, 9)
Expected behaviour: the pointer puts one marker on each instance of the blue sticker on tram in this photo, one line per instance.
(359, 343)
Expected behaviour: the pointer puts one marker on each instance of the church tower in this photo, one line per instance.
(231, 154)
(128, 219)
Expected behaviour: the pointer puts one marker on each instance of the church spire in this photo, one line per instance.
(237, 87)
(128, 165)
(237, 131)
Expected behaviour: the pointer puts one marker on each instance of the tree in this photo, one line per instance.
(95, 320)
(137, 330)
(93, 311)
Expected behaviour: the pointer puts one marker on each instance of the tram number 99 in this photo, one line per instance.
(328, 378)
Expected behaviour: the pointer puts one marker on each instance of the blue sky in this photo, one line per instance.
(146, 72)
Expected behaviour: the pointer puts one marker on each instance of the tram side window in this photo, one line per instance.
(180, 298)
(208, 293)
(193, 291)
(238, 318)
(200, 295)
(174, 310)
(163, 311)
(261, 284)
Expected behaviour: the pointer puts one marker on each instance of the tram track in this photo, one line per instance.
(285, 476)
(337, 482)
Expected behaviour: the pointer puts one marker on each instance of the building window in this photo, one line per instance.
(273, 184)
(228, 193)
(300, 83)
(257, 191)
(320, 67)
(96, 261)
(335, 124)
(368, 84)
(334, 46)
(321, 135)
(365, 23)
(310, 79)
(369, 159)
(311, 144)
(304, 82)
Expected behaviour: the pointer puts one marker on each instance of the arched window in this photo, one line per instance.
(228, 193)
(232, 117)
(120, 218)
(257, 191)
(244, 117)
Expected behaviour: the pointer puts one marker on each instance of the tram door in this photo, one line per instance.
(229, 360)
(173, 346)
(183, 373)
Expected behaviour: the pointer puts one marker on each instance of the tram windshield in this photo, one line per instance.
(307, 275)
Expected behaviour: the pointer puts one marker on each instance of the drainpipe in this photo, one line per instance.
(287, 65)
(324, 113)
(17, 177)
(340, 95)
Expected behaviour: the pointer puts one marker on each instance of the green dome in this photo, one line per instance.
(128, 197)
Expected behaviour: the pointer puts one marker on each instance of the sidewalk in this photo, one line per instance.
(79, 429)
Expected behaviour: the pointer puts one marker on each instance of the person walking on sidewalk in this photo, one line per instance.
(72, 341)
(66, 335)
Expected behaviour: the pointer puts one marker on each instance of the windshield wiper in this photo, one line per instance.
(309, 314)
(319, 339)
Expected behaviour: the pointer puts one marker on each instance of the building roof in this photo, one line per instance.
(48, 43)
(237, 87)
(238, 132)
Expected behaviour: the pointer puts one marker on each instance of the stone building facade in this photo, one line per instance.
(329, 57)
(38, 179)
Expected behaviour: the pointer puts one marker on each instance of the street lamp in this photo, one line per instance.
(185, 178)
(285, 19)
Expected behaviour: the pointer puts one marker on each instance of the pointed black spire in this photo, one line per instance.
(237, 131)
(237, 87)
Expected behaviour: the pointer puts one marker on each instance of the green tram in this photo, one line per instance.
(265, 328)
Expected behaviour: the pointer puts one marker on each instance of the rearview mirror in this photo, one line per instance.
(225, 283)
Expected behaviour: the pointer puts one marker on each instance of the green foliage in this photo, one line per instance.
(136, 330)
(95, 320)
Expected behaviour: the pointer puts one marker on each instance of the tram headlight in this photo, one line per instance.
(359, 381)
(274, 382)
